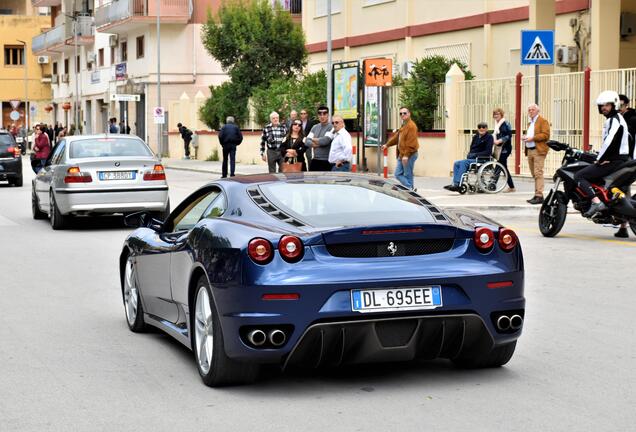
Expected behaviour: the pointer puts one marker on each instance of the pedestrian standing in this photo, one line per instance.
(56, 131)
(319, 139)
(112, 127)
(536, 149)
(50, 133)
(186, 135)
(41, 147)
(230, 136)
(407, 145)
(307, 124)
(272, 139)
(293, 147)
(341, 148)
(293, 116)
(503, 144)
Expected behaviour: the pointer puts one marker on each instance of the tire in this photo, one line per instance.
(463, 189)
(552, 214)
(496, 357)
(35, 207)
(132, 299)
(215, 367)
(18, 181)
(58, 220)
(492, 177)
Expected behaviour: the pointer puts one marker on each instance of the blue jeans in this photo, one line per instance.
(459, 168)
(345, 167)
(404, 174)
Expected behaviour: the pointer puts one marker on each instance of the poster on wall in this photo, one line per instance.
(345, 84)
(372, 115)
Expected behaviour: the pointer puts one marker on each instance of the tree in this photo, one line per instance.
(419, 89)
(225, 100)
(256, 44)
(286, 94)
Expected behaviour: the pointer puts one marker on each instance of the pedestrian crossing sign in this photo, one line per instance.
(537, 47)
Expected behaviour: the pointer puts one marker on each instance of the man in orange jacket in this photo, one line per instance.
(535, 141)
(406, 140)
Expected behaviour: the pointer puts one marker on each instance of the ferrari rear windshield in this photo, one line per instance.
(341, 204)
(108, 147)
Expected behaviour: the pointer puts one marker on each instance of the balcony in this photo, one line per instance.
(294, 7)
(61, 37)
(45, 3)
(123, 16)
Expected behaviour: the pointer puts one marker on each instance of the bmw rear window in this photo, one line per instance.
(6, 141)
(108, 147)
(342, 204)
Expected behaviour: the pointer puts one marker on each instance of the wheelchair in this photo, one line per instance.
(485, 175)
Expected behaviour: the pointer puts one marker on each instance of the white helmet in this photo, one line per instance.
(608, 96)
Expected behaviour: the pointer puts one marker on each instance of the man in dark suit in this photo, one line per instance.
(229, 136)
(307, 125)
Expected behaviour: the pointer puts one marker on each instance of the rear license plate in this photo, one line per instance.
(382, 300)
(117, 175)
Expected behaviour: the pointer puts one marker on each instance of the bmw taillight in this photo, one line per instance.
(15, 151)
(484, 239)
(260, 250)
(157, 173)
(75, 175)
(291, 248)
(507, 239)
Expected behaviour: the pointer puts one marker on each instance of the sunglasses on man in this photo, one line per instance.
(403, 113)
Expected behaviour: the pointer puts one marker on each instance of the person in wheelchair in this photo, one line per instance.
(480, 147)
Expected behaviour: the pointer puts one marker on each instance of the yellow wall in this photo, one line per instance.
(13, 27)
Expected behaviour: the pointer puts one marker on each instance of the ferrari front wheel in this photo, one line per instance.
(215, 367)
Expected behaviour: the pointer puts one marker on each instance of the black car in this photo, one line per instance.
(10, 159)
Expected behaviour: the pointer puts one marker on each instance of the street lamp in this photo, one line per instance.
(77, 70)
(26, 89)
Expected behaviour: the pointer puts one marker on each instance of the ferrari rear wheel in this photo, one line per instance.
(214, 366)
(132, 303)
(498, 356)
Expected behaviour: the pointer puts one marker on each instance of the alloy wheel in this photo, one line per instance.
(131, 293)
(203, 327)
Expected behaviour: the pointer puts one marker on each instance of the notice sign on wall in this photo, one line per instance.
(159, 115)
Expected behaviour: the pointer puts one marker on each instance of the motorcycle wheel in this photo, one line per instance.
(552, 214)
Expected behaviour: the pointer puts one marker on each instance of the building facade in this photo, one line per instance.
(484, 34)
(103, 48)
(23, 77)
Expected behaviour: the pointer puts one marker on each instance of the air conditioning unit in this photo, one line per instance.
(407, 67)
(566, 56)
(112, 40)
(54, 78)
(43, 59)
(91, 57)
(65, 78)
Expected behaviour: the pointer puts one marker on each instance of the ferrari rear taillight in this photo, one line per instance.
(260, 250)
(157, 173)
(484, 239)
(507, 239)
(291, 248)
(75, 175)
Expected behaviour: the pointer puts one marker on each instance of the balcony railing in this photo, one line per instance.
(295, 7)
(44, 3)
(55, 36)
(124, 9)
(63, 32)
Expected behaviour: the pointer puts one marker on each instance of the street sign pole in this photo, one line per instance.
(160, 148)
(536, 84)
(537, 48)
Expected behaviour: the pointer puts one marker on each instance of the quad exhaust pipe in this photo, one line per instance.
(505, 322)
(257, 337)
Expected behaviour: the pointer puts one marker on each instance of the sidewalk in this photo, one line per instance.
(430, 187)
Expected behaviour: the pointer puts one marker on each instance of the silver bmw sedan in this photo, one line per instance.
(99, 174)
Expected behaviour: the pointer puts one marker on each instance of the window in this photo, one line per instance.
(108, 147)
(321, 8)
(216, 209)
(89, 64)
(100, 57)
(112, 55)
(13, 55)
(190, 215)
(58, 153)
(140, 47)
(341, 203)
(124, 51)
(77, 64)
(66, 68)
(54, 68)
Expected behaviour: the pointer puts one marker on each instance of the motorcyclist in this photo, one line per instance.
(629, 114)
(614, 151)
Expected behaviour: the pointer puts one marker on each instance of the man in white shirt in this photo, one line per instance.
(340, 152)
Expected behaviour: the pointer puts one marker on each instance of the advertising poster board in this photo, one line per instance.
(346, 91)
(372, 116)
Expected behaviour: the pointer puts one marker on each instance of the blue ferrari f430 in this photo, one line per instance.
(322, 269)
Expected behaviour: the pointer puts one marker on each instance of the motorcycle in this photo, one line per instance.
(614, 190)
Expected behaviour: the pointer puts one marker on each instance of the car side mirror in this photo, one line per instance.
(142, 219)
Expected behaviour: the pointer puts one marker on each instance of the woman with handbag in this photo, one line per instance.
(42, 149)
(503, 143)
(293, 149)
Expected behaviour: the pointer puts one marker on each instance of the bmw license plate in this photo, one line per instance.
(117, 175)
(392, 299)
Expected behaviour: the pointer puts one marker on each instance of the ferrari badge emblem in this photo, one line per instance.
(392, 248)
